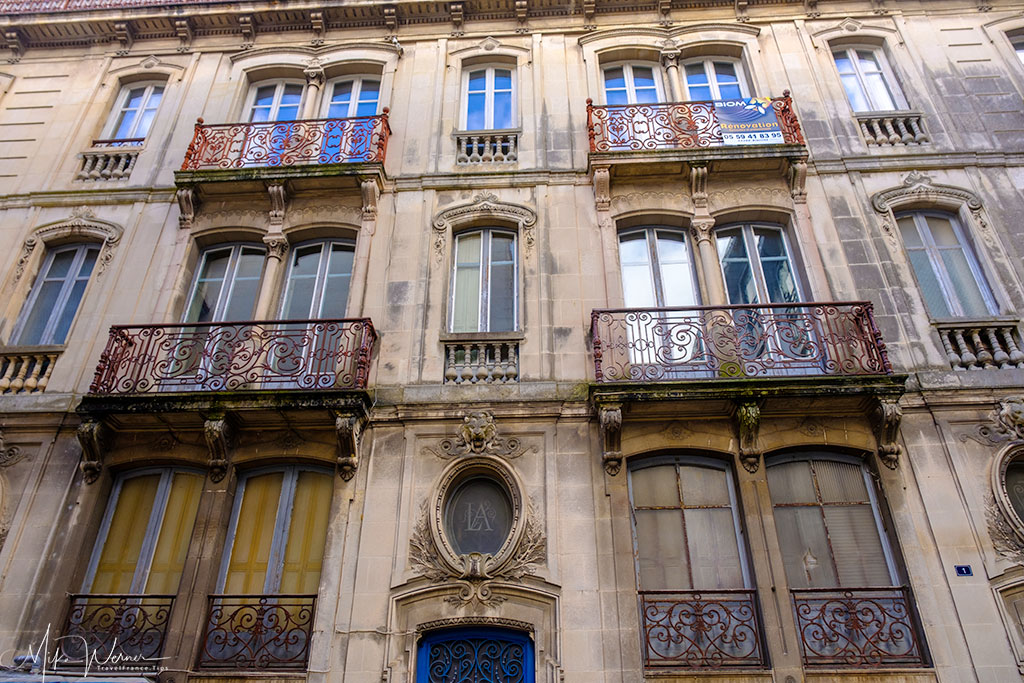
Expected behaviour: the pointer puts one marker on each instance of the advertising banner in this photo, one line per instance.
(749, 121)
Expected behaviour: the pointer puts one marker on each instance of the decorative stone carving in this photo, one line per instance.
(314, 71)
(277, 246)
(9, 455)
(610, 421)
(278, 191)
(188, 202)
(740, 7)
(93, 437)
(219, 433)
(602, 188)
(478, 435)
(886, 419)
(391, 18)
(522, 10)
(370, 194)
(248, 29)
(125, 37)
(348, 428)
(484, 206)
(670, 55)
(82, 224)
(811, 9)
(646, 201)
(589, 9)
(665, 12)
(699, 185)
(919, 188)
(456, 12)
(316, 21)
(1006, 423)
(183, 29)
(702, 229)
(1006, 539)
(796, 176)
(748, 423)
(13, 42)
(741, 196)
(504, 622)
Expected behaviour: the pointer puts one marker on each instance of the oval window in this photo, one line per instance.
(1015, 486)
(478, 516)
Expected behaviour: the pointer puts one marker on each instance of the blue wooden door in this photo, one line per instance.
(475, 655)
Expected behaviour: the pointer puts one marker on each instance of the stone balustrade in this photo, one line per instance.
(481, 362)
(109, 160)
(487, 147)
(892, 128)
(27, 370)
(984, 345)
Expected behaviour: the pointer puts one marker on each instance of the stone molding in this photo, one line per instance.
(82, 225)
(484, 206)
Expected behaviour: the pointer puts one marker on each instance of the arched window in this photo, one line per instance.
(632, 83)
(757, 265)
(133, 113)
(475, 655)
(226, 285)
(869, 82)
(56, 294)
(714, 78)
(484, 282)
(319, 275)
(691, 565)
(947, 270)
(657, 268)
(275, 101)
(489, 96)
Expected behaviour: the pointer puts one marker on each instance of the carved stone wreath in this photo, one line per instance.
(484, 206)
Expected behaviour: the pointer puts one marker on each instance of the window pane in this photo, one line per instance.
(661, 557)
(655, 487)
(704, 486)
(307, 533)
(965, 285)
(39, 316)
(855, 93)
(502, 286)
(302, 282)
(878, 91)
(840, 482)
(478, 81)
(911, 237)
(123, 544)
(339, 275)
(175, 533)
(66, 315)
(614, 79)
(126, 121)
(246, 285)
(739, 278)
(254, 532)
(791, 482)
(929, 283)
(466, 304)
(503, 110)
(853, 533)
(714, 554)
(475, 113)
(804, 545)
(502, 79)
(637, 286)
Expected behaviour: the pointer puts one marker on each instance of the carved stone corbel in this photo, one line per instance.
(316, 21)
(796, 176)
(522, 10)
(94, 438)
(589, 9)
(348, 427)
(886, 419)
(811, 9)
(748, 423)
(188, 202)
(219, 432)
(125, 36)
(13, 42)
(702, 229)
(741, 11)
(248, 29)
(610, 417)
(277, 246)
(314, 73)
(183, 29)
(602, 188)
(456, 11)
(665, 10)
(278, 192)
(699, 185)
(391, 18)
(370, 193)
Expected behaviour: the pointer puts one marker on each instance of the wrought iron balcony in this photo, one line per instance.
(362, 139)
(736, 342)
(857, 627)
(701, 629)
(32, 6)
(273, 354)
(269, 632)
(121, 630)
(673, 126)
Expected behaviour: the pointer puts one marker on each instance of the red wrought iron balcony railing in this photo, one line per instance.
(274, 354)
(258, 632)
(361, 139)
(688, 125)
(736, 342)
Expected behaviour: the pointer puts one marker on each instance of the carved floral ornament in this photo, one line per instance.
(919, 190)
(483, 207)
(81, 225)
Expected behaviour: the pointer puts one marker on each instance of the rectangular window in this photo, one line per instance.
(484, 282)
(133, 115)
(867, 79)
(489, 99)
(56, 294)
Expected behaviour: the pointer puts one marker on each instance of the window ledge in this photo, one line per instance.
(482, 336)
(986, 321)
(488, 131)
(886, 113)
(12, 349)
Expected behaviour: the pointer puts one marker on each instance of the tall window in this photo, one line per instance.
(713, 79)
(133, 114)
(657, 269)
(350, 97)
(828, 523)
(56, 295)
(1018, 46)
(318, 281)
(484, 282)
(632, 84)
(867, 79)
(145, 533)
(226, 285)
(490, 99)
(756, 265)
(278, 101)
(946, 268)
(691, 566)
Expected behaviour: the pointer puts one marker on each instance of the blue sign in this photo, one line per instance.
(750, 121)
(964, 570)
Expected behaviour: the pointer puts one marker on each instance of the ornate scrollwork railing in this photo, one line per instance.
(359, 139)
(706, 342)
(269, 632)
(33, 6)
(127, 629)
(857, 627)
(274, 354)
(671, 125)
(701, 628)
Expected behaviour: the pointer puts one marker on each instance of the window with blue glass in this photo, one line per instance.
(632, 84)
(489, 99)
(475, 655)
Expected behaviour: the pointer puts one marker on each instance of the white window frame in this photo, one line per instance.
(627, 74)
(229, 279)
(153, 526)
(357, 88)
(888, 76)
(709, 71)
(650, 233)
(489, 94)
(321, 274)
(282, 524)
(754, 259)
(279, 84)
(1017, 43)
(939, 267)
(120, 107)
(483, 315)
(69, 281)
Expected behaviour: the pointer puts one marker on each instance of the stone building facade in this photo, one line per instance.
(515, 340)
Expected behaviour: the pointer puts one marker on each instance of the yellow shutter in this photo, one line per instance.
(175, 533)
(304, 551)
(123, 543)
(250, 552)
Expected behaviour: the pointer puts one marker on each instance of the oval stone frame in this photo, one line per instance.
(1008, 456)
(459, 472)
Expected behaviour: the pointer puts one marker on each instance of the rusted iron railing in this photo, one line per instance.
(857, 627)
(32, 6)
(128, 630)
(273, 354)
(705, 342)
(701, 629)
(263, 632)
(288, 143)
(671, 125)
